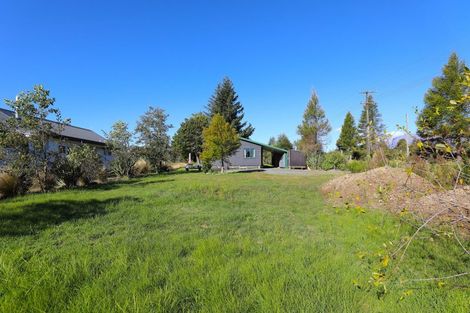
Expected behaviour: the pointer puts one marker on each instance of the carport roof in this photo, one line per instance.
(267, 147)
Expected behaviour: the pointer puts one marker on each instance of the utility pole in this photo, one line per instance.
(366, 103)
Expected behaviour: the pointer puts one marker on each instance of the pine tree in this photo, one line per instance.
(347, 140)
(225, 102)
(314, 128)
(272, 141)
(220, 141)
(443, 115)
(370, 133)
(283, 142)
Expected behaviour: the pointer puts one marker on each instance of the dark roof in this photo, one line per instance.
(267, 147)
(69, 131)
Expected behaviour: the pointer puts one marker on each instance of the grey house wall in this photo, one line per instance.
(238, 158)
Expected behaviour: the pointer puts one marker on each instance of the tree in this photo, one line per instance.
(188, 138)
(347, 140)
(272, 141)
(225, 102)
(314, 128)
(26, 137)
(370, 128)
(119, 140)
(443, 115)
(220, 141)
(152, 136)
(283, 142)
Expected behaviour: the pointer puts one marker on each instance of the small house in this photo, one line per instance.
(250, 155)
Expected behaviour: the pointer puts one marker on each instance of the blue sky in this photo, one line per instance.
(109, 60)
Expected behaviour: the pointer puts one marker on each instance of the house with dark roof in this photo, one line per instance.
(69, 136)
(250, 155)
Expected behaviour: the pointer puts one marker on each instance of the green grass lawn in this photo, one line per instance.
(213, 243)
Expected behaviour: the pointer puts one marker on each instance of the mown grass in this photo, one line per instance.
(210, 243)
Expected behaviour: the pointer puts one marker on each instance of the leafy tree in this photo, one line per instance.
(188, 138)
(370, 133)
(225, 102)
(26, 138)
(347, 140)
(283, 142)
(81, 162)
(220, 141)
(443, 114)
(119, 140)
(315, 127)
(152, 135)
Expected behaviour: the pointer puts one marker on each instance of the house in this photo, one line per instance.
(250, 155)
(70, 136)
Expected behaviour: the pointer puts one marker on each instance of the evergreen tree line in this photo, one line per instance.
(363, 139)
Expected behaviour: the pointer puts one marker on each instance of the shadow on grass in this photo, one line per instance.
(135, 182)
(248, 171)
(35, 217)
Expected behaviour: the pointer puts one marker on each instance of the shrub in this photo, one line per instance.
(358, 154)
(314, 161)
(441, 172)
(82, 163)
(206, 166)
(357, 166)
(103, 175)
(141, 167)
(9, 185)
(444, 173)
(334, 160)
(379, 158)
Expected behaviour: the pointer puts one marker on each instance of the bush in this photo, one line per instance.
(206, 166)
(357, 166)
(379, 158)
(163, 167)
(82, 163)
(444, 173)
(141, 167)
(314, 161)
(334, 160)
(441, 172)
(358, 154)
(9, 185)
(102, 175)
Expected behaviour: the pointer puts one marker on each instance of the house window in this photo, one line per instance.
(249, 153)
